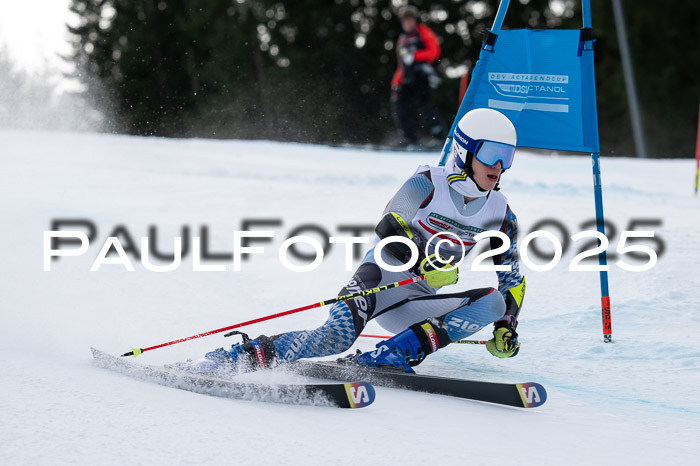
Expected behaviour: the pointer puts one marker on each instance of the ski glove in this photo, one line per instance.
(439, 273)
(504, 343)
(407, 57)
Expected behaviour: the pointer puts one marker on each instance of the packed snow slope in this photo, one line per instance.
(634, 401)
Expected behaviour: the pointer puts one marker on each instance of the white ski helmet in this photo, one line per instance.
(489, 136)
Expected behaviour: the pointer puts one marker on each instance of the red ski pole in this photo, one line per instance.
(697, 157)
(136, 351)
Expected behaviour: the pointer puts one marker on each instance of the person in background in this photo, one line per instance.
(417, 49)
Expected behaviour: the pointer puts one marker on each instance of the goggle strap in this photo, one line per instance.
(465, 141)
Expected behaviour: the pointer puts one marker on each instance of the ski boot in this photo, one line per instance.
(406, 349)
(247, 356)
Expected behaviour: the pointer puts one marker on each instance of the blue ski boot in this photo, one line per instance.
(406, 349)
(247, 356)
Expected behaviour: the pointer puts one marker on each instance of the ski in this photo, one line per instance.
(341, 395)
(521, 395)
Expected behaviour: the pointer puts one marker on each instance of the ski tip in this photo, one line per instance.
(532, 394)
(134, 352)
(360, 394)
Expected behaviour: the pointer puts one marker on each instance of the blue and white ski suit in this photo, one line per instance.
(430, 207)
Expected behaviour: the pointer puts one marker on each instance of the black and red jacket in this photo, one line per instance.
(423, 42)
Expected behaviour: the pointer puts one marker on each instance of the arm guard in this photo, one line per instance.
(514, 301)
(404, 205)
(510, 284)
(392, 224)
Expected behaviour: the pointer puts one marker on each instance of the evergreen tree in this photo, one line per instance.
(319, 70)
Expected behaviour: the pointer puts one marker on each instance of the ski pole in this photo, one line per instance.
(463, 342)
(136, 351)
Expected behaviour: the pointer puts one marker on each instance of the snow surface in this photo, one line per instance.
(631, 402)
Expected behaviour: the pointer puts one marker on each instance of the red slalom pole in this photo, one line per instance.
(697, 156)
(136, 351)
(463, 85)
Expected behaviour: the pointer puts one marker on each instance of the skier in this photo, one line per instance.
(461, 198)
(416, 50)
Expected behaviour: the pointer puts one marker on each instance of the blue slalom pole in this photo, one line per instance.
(500, 16)
(602, 257)
(591, 115)
(497, 23)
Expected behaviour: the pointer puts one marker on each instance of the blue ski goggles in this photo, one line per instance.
(487, 152)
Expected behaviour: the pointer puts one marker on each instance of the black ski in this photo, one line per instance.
(341, 395)
(521, 395)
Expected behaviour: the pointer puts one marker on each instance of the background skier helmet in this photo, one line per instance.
(409, 11)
